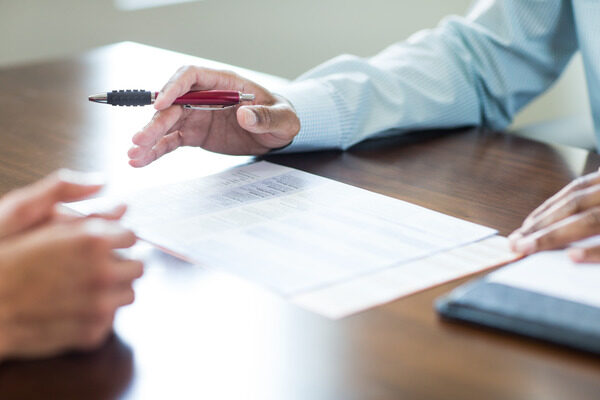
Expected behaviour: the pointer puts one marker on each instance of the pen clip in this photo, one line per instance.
(205, 108)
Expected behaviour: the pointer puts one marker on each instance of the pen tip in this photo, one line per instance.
(98, 98)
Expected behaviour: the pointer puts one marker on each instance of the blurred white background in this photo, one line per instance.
(281, 37)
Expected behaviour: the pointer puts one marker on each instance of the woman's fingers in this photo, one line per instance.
(560, 234)
(114, 214)
(585, 254)
(31, 205)
(581, 183)
(578, 196)
(111, 233)
(127, 270)
(570, 204)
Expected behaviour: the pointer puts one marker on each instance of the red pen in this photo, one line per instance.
(197, 100)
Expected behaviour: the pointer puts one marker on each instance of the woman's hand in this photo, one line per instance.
(570, 215)
(60, 280)
(60, 286)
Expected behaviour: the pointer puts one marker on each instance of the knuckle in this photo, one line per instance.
(18, 209)
(140, 268)
(191, 70)
(179, 84)
(159, 123)
(228, 74)
(539, 240)
(155, 117)
(182, 72)
(129, 238)
(197, 71)
(580, 183)
(586, 253)
(130, 298)
(94, 243)
(573, 202)
(137, 268)
(264, 116)
(9, 198)
(105, 276)
(59, 180)
(61, 185)
(56, 178)
(101, 309)
(230, 77)
(545, 241)
(592, 217)
(93, 335)
(591, 254)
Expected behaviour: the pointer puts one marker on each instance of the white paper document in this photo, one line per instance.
(552, 273)
(299, 234)
(363, 292)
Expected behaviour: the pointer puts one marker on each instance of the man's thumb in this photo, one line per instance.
(276, 120)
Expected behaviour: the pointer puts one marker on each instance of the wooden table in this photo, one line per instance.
(199, 334)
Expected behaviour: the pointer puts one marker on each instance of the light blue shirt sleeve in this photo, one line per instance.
(475, 70)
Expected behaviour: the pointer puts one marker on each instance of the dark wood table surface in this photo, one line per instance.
(197, 334)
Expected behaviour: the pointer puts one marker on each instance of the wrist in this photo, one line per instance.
(314, 106)
(282, 99)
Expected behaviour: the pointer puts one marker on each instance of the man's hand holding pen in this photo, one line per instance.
(268, 122)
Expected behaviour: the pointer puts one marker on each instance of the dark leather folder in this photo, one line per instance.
(527, 313)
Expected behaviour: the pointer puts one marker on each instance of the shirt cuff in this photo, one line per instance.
(319, 119)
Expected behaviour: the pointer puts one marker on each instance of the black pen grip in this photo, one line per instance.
(129, 97)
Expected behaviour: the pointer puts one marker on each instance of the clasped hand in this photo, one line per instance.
(60, 280)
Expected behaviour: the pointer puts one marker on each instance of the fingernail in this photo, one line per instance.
(117, 209)
(98, 226)
(82, 178)
(525, 245)
(250, 117)
(577, 255)
(514, 236)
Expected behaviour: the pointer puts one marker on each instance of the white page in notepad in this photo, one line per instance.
(552, 273)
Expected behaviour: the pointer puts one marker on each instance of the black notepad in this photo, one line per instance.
(524, 312)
